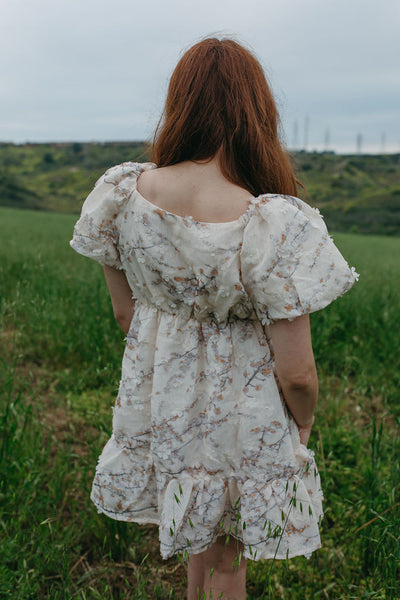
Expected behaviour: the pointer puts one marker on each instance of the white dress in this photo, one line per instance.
(203, 443)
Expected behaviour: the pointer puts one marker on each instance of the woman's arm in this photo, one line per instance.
(295, 367)
(121, 297)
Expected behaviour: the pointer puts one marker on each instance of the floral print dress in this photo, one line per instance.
(203, 443)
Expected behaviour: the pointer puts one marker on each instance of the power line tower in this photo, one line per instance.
(306, 130)
(327, 139)
(383, 142)
(295, 135)
(359, 142)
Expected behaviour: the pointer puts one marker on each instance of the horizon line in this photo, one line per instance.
(345, 150)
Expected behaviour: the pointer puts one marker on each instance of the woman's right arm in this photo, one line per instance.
(295, 367)
(121, 297)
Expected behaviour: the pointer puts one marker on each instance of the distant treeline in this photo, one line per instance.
(357, 193)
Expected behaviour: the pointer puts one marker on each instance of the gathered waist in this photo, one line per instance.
(197, 314)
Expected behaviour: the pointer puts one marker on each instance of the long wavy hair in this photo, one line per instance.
(219, 100)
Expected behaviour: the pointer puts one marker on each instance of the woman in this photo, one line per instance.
(213, 266)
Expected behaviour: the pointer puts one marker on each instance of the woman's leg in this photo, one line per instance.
(195, 576)
(219, 575)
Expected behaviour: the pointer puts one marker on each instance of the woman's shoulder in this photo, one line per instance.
(290, 263)
(285, 205)
(113, 188)
(126, 170)
(281, 218)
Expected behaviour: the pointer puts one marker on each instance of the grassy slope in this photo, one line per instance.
(57, 177)
(59, 369)
(355, 193)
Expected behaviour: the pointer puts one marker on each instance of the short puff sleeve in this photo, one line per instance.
(290, 265)
(96, 234)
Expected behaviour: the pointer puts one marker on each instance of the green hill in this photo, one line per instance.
(357, 193)
(57, 177)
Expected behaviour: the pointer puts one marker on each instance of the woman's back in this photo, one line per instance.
(206, 246)
(196, 189)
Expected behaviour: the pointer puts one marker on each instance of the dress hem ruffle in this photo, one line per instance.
(198, 548)
(274, 520)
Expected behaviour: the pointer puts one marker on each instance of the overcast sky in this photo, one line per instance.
(86, 70)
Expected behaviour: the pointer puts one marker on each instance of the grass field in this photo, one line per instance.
(59, 369)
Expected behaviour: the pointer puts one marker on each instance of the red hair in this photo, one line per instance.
(219, 99)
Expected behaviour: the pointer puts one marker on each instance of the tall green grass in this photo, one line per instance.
(60, 362)
(49, 291)
(357, 336)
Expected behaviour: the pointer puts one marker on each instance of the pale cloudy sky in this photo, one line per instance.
(98, 70)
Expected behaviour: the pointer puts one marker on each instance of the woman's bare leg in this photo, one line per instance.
(219, 576)
(195, 576)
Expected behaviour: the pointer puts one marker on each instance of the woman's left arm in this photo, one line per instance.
(121, 297)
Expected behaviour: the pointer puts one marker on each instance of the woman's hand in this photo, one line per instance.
(304, 432)
(295, 367)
